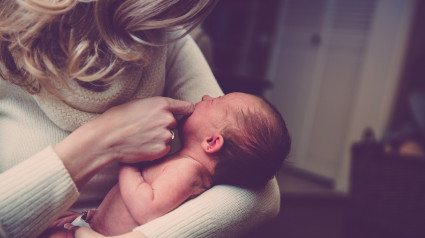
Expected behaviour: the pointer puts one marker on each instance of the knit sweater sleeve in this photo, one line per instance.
(32, 194)
(222, 211)
(188, 75)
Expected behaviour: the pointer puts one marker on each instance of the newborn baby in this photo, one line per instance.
(237, 139)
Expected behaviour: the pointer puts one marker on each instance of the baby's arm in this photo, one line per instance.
(172, 187)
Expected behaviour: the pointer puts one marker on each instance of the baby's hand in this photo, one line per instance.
(85, 232)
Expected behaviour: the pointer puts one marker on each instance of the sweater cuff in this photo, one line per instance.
(34, 193)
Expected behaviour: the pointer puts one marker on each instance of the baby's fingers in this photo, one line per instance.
(85, 232)
(70, 227)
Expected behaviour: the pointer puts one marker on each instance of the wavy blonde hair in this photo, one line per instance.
(87, 40)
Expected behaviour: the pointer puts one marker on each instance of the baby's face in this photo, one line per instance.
(211, 114)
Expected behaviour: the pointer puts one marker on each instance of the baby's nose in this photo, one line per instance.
(206, 97)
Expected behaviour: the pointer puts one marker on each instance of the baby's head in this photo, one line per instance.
(245, 134)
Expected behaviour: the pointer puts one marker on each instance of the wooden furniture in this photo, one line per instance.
(387, 193)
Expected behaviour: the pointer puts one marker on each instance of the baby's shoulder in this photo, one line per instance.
(184, 163)
(191, 171)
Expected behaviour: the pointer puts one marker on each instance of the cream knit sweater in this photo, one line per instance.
(35, 187)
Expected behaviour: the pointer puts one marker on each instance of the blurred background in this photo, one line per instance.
(348, 77)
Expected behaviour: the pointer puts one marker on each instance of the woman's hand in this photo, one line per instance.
(85, 232)
(140, 130)
(136, 131)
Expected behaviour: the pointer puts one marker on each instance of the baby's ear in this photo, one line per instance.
(213, 143)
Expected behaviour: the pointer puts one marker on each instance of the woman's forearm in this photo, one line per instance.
(82, 154)
(33, 193)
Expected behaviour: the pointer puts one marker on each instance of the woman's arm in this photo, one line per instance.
(127, 133)
(38, 189)
(33, 193)
(35, 187)
(222, 211)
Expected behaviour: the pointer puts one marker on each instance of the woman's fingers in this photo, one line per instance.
(141, 130)
(179, 107)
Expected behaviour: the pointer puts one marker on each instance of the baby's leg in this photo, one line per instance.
(57, 232)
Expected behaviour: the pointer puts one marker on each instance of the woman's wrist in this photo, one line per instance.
(84, 153)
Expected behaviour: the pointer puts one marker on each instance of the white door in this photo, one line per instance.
(299, 48)
(318, 73)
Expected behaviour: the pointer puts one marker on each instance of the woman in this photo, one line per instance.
(71, 71)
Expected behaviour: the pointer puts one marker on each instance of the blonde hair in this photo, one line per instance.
(87, 40)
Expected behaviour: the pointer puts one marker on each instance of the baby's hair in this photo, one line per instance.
(254, 149)
(87, 40)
